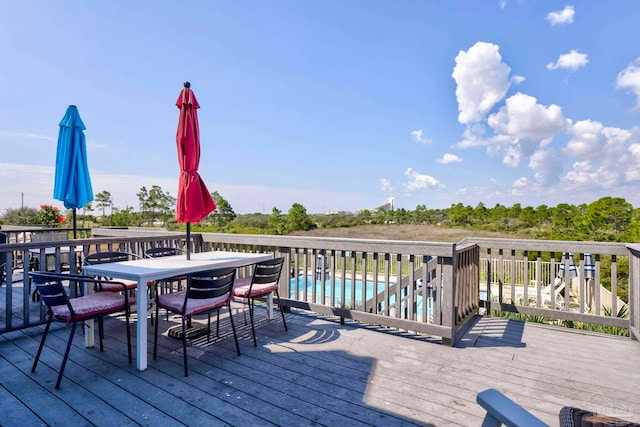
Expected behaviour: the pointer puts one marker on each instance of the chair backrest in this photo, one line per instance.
(211, 284)
(267, 271)
(104, 257)
(50, 288)
(53, 294)
(162, 251)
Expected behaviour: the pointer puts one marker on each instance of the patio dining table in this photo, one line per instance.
(150, 269)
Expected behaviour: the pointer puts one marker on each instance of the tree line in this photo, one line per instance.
(608, 219)
(156, 207)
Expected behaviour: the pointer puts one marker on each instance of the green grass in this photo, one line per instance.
(603, 329)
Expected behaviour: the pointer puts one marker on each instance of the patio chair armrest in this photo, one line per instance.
(97, 282)
(502, 410)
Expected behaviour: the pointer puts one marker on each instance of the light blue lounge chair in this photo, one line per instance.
(503, 411)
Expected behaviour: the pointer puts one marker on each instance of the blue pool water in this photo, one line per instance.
(349, 287)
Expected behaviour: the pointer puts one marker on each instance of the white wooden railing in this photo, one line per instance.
(425, 287)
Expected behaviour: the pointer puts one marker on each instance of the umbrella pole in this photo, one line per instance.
(188, 240)
(74, 223)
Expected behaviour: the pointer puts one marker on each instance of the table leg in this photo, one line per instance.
(270, 306)
(141, 325)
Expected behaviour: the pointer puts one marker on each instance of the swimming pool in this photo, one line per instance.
(350, 289)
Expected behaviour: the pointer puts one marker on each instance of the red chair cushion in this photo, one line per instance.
(242, 286)
(116, 287)
(92, 306)
(175, 300)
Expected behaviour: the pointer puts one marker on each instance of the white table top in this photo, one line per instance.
(176, 265)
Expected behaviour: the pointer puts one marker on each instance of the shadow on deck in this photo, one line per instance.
(318, 373)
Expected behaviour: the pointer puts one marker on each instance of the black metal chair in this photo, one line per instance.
(113, 256)
(264, 280)
(206, 293)
(170, 284)
(162, 251)
(73, 310)
(117, 256)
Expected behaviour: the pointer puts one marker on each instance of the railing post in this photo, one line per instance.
(634, 294)
(489, 274)
(500, 275)
(448, 277)
(512, 273)
(285, 274)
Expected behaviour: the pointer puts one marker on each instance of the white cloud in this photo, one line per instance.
(97, 146)
(473, 136)
(25, 135)
(523, 118)
(615, 169)
(612, 151)
(521, 182)
(632, 173)
(512, 155)
(629, 78)
(516, 80)
(571, 61)
(449, 158)
(385, 186)
(36, 184)
(583, 173)
(419, 181)
(523, 187)
(482, 81)
(547, 166)
(521, 127)
(587, 140)
(417, 136)
(564, 16)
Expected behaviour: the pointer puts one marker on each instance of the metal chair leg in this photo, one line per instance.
(281, 311)
(218, 325)
(233, 326)
(253, 329)
(44, 337)
(100, 332)
(184, 346)
(66, 355)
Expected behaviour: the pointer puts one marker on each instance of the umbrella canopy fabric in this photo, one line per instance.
(194, 201)
(589, 267)
(72, 181)
(573, 272)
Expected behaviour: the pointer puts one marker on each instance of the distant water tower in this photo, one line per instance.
(387, 205)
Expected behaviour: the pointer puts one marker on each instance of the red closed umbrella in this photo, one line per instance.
(194, 201)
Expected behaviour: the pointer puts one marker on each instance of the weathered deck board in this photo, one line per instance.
(318, 373)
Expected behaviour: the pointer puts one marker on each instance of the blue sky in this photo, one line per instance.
(333, 104)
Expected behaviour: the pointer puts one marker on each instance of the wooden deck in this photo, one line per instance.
(318, 373)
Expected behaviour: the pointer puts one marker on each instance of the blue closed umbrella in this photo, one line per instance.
(589, 267)
(72, 181)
